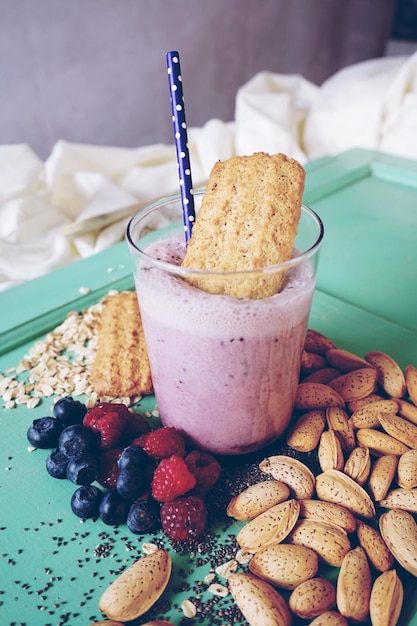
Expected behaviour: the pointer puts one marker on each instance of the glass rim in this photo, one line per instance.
(187, 271)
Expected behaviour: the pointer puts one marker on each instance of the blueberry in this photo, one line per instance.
(69, 411)
(85, 501)
(131, 483)
(133, 456)
(56, 464)
(143, 516)
(44, 432)
(83, 469)
(76, 440)
(113, 508)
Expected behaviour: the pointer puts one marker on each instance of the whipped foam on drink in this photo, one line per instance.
(217, 349)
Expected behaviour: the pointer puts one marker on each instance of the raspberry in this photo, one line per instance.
(135, 427)
(171, 479)
(184, 519)
(205, 468)
(164, 442)
(109, 421)
(140, 440)
(108, 469)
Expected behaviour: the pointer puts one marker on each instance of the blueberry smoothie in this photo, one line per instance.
(225, 370)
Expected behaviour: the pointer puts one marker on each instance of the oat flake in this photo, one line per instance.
(60, 364)
(226, 569)
(188, 608)
(218, 590)
(149, 548)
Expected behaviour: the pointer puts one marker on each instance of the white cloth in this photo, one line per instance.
(78, 201)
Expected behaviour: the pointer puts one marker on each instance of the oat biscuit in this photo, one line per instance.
(248, 220)
(121, 366)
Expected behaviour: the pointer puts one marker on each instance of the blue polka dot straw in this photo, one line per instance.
(181, 140)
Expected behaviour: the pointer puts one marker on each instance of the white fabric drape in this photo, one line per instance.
(78, 201)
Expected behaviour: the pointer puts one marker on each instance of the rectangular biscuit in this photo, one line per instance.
(121, 366)
(248, 219)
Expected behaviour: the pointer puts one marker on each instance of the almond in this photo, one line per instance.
(344, 360)
(285, 565)
(328, 512)
(377, 551)
(259, 602)
(138, 587)
(354, 405)
(335, 486)
(154, 622)
(317, 342)
(310, 362)
(399, 428)
(269, 527)
(312, 396)
(292, 472)
(410, 374)
(399, 530)
(329, 541)
(379, 442)
(407, 469)
(381, 476)
(256, 499)
(330, 453)
(356, 384)
(358, 465)
(312, 597)
(386, 601)
(338, 420)
(407, 409)
(323, 375)
(107, 622)
(329, 618)
(304, 434)
(400, 498)
(353, 590)
(390, 375)
(368, 416)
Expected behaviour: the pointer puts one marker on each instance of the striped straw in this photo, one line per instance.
(181, 141)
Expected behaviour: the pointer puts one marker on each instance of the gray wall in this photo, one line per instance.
(94, 70)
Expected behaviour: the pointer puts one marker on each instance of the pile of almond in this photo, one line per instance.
(357, 515)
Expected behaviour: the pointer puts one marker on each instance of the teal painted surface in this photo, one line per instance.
(38, 305)
(52, 567)
(369, 252)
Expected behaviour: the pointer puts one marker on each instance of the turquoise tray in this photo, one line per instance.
(53, 567)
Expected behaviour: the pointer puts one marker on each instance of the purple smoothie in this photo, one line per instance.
(224, 370)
